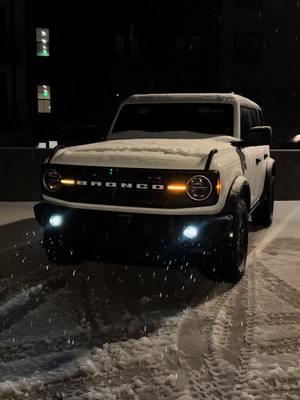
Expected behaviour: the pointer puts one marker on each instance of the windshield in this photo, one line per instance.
(204, 118)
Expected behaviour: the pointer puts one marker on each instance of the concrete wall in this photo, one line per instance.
(20, 173)
(287, 174)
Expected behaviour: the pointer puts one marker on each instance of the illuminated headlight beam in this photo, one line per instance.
(190, 232)
(56, 221)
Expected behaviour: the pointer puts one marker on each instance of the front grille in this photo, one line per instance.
(131, 197)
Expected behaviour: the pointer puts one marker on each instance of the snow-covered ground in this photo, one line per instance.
(15, 211)
(17, 225)
(113, 332)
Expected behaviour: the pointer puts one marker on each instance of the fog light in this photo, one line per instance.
(56, 221)
(190, 232)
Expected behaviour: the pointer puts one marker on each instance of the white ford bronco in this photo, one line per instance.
(177, 174)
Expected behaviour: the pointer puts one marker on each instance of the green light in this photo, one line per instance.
(43, 53)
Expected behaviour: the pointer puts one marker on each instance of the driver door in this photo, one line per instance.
(253, 158)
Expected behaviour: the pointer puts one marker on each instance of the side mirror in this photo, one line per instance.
(259, 136)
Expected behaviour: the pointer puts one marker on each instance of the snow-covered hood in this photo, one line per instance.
(146, 153)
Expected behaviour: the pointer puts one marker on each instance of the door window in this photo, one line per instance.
(245, 122)
(249, 119)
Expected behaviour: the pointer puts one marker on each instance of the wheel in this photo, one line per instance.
(228, 263)
(234, 253)
(263, 214)
(59, 249)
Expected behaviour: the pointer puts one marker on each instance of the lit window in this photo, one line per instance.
(42, 42)
(44, 99)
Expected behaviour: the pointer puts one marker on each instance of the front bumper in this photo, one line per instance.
(90, 227)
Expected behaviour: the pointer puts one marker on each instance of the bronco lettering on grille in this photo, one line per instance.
(121, 185)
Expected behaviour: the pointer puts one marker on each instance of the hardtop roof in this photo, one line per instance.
(190, 97)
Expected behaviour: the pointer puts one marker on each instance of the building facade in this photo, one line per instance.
(259, 58)
(14, 72)
(65, 66)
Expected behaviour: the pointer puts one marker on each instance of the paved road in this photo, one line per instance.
(100, 331)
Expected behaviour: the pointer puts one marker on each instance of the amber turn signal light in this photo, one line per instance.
(177, 188)
(68, 182)
(219, 186)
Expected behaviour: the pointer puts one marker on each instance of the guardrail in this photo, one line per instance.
(20, 173)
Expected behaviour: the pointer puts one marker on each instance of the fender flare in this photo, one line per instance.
(240, 189)
(271, 168)
(269, 178)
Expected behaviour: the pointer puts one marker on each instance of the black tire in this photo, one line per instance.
(228, 263)
(234, 253)
(263, 214)
(59, 250)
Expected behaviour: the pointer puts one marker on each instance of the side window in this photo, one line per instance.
(245, 122)
(253, 117)
(261, 118)
(249, 119)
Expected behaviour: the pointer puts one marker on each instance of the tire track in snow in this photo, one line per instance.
(229, 346)
(272, 233)
(28, 303)
(31, 348)
(226, 360)
(280, 346)
(25, 367)
(210, 378)
(220, 363)
(17, 307)
(280, 318)
(240, 387)
(59, 377)
(256, 285)
(251, 380)
(239, 384)
(277, 285)
(218, 333)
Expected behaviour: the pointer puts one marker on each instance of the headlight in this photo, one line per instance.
(56, 221)
(199, 188)
(190, 232)
(52, 180)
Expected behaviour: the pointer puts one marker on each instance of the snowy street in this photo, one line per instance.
(102, 331)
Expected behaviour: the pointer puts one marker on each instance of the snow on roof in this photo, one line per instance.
(190, 97)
